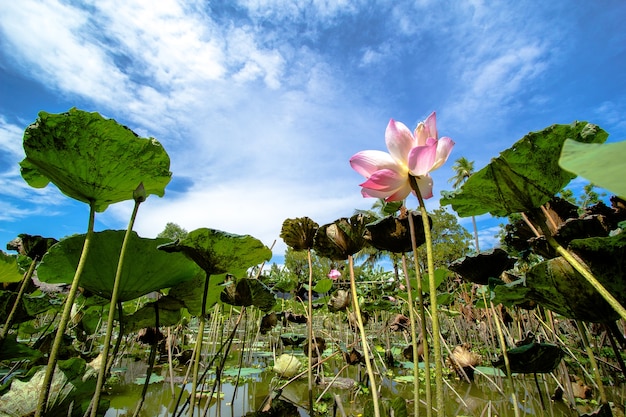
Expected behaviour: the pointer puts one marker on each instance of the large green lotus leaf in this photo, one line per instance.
(218, 252)
(480, 267)
(9, 271)
(299, 233)
(145, 269)
(13, 350)
(248, 292)
(33, 246)
(560, 288)
(28, 308)
(169, 315)
(603, 165)
(342, 238)
(92, 159)
(524, 176)
(190, 292)
(393, 234)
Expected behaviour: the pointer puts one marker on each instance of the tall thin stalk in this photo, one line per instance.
(366, 355)
(433, 300)
(9, 321)
(592, 359)
(198, 348)
(422, 315)
(42, 403)
(310, 331)
(416, 381)
(114, 297)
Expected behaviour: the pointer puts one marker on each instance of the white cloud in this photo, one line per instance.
(255, 208)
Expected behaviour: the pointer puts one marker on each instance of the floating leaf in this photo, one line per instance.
(299, 233)
(342, 238)
(92, 159)
(218, 252)
(154, 379)
(524, 176)
(147, 270)
(603, 165)
(248, 292)
(393, 234)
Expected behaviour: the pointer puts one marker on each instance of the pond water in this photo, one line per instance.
(486, 396)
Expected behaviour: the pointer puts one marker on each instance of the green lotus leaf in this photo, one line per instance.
(323, 286)
(480, 267)
(248, 292)
(524, 176)
(299, 233)
(145, 269)
(342, 238)
(92, 159)
(13, 350)
(603, 165)
(28, 308)
(9, 271)
(190, 292)
(393, 234)
(169, 315)
(33, 246)
(218, 252)
(557, 286)
(440, 275)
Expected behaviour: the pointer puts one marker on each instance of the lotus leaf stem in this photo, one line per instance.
(366, 355)
(114, 298)
(42, 403)
(310, 331)
(592, 360)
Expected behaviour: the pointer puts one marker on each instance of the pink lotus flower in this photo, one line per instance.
(415, 154)
(334, 274)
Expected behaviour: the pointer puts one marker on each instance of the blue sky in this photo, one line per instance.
(261, 103)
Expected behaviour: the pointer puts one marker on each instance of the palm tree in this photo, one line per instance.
(463, 169)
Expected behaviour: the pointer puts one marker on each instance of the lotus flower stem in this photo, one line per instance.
(422, 314)
(433, 299)
(114, 296)
(366, 355)
(42, 402)
(581, 268)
